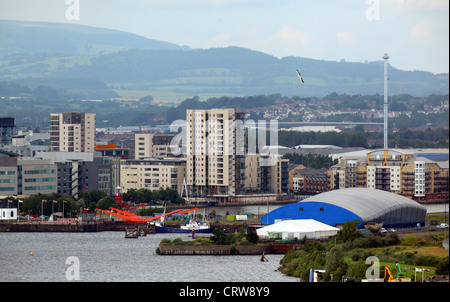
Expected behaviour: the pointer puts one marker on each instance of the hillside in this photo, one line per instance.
(37, 53)
(70, 39)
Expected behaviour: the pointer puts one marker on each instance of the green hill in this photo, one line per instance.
(73, 39)
(52, 54)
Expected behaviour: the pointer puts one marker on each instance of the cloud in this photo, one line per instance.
(418, 5)
(347, 38)
(422, 32)
(289, 34)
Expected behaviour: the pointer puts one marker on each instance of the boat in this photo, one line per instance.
(374, 227)
(191, 226)
(195, 226)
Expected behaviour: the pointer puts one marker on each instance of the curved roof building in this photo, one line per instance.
(366, 205)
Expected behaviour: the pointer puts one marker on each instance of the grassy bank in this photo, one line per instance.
(347, 255)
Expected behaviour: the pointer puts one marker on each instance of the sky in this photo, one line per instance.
(414, 33)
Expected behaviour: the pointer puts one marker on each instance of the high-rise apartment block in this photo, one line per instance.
(72, 132)
(215, 152)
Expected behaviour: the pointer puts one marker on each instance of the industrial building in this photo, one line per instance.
(364, 204)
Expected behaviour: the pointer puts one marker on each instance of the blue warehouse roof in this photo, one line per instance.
(367, 205)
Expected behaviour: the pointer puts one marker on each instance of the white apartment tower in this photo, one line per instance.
(72, 132)
(215, 152)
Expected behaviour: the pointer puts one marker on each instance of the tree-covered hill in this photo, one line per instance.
(129, 63)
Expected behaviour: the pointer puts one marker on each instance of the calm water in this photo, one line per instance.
(109, 256)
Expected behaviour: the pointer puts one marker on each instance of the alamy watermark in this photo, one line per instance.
(73, 11)
(73, 271)
(373, 271)
(213, 138)
(373, 11)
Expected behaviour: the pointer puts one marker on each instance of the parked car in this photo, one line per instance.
(386, 231)
(442, 226)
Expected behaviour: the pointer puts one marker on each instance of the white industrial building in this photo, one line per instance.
(298, 228)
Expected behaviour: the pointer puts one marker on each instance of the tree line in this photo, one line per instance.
(404, 138)
(47, 204)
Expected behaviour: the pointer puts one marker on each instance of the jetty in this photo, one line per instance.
(139, 230)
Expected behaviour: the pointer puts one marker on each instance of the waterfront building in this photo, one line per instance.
(23, 176)
(307, 180)
(215, 163)
(28, 144)
(72, 132)
(392, 170)
(149, 145)
(6, 130)
(8, 211)
(80, 172)
(112, 150)
(260, 178)
(152, 174)
(368, 206)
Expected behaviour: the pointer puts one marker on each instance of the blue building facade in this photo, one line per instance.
(363, 204)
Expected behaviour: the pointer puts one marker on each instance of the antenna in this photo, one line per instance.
(386, 101)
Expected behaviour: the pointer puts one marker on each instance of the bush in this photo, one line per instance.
(252, 237)
(442, 267)
(357, 271)
(413, 241)
(165, 241)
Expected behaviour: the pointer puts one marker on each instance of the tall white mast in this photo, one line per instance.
(386, 57)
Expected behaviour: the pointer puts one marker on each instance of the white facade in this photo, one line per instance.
(419, 175)
(297, 228)
(8, 211)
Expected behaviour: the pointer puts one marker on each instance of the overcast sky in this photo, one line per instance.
(415, 33)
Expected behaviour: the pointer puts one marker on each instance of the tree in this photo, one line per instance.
(93, 196)
(107, 202)
(349, 231)
(335, 266)
(252, 237)
(218, 236)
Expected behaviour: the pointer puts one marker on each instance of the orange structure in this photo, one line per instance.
(131, 217)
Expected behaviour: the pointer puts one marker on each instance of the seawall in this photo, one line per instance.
(72, 226)
(268, 248)
(213, 250)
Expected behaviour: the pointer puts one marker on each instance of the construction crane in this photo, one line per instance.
(399, 271)
(387, 275)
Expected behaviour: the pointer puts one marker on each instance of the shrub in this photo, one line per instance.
(442, 266)
(357, 270)
(252, 237)
(165, 241)
(413, 241)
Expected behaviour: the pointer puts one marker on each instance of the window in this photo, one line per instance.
(321, 209)
(301, 209)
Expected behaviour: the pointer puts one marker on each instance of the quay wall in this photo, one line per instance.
(87, 226)
(213, 249)
(53, 227)
(268, 248)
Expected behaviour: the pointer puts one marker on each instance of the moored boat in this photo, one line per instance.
(196, 227)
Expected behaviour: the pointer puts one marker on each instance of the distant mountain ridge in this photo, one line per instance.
(31, 37)
(126, 61)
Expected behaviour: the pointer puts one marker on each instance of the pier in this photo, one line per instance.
(139, 230)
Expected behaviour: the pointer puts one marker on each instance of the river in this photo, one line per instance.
(109, 256)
